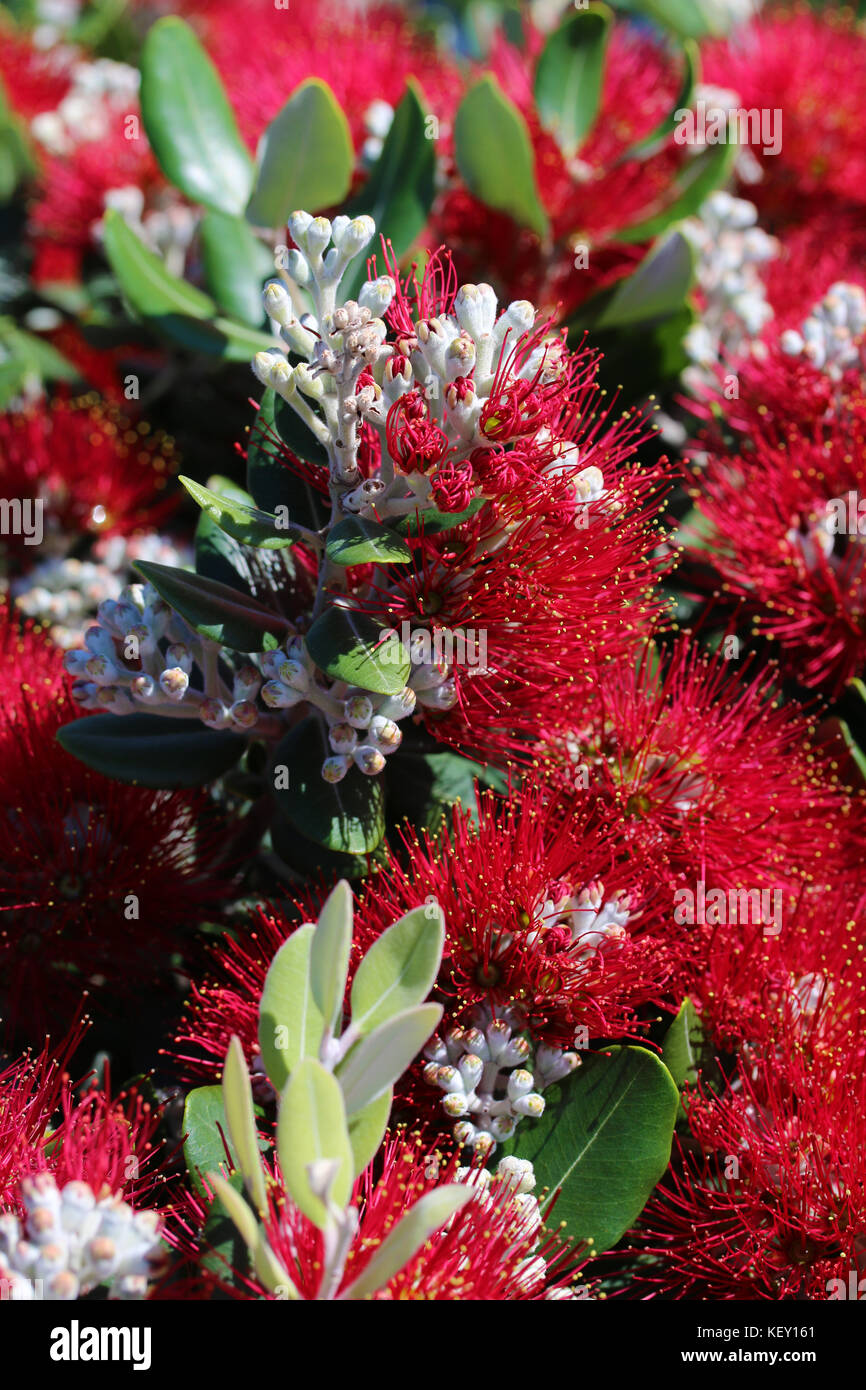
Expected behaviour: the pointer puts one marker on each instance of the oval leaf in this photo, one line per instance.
(152, 751)
(241, 1120)
(399, 193)
(347, 817)
(356, 541)
(239, 520)
(382, 1056)
(351, 647)
(702, 174)
(189, 121)
(329, 955)
(603, 1142)
(399, 969)
(494, 154)
(305, 158)
(206, 1134)
(657, 288)
(236, 265)
(421, 1222)
(367, 1129)
(220, 613)
(312, 1127)
(290, 1021)
(569, 75)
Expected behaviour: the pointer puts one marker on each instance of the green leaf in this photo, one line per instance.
(569, 74)
(424, 786)
(683, 1045)
(236, 265)
(656, 289)
(689, 18)
(168, 304)
(685, 96)
(217, 611)
(356, 541)
(329, 956)
(152, 751)
(367, 1129)
(241, 1120)
(494, 154)
(399, 969)
(399, 193)
(240, 1213)
(381, 1057)
(603, 1142)
(239, 520)
(428, 521)
(290, 1021)
(347, 816)
(349, 646)
(297, 435)
(311, 1128)
(401, 1245)
(207, 1136)
(305, 158)
(188, 119)
(701, 176)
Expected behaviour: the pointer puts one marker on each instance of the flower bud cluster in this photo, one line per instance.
(71, 1241)
(731, 250)
(831, 337)
(490, 1078)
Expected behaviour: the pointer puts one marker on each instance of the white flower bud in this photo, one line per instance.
(520, 1083)
(475, 309)
(398, 706)
(517, 1172)
(377, 295)
(368, 759)
(294, 673)
(335, 769)
(532, 1105)
(278, 303)
(174, 683)
(342, 738)
(279, 696)
(358, 711)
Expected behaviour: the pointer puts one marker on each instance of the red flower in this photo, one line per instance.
(711, 778)
(365, 56)
(99, 880)
(453, 487)
(93, 470)
(776, 520)
(811, 67)
(768, 1200)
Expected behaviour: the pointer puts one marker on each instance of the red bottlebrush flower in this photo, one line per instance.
(777, 521)
(769, 1201)
(587, 199)
(493, 1249)
(545, 921)
(711, 778)
(813, 255)
(34, 80)
(105, 1142)
(98, 879)
(810, 67)
(74, 193)
(92, 470)
(365, 56)
(453, 487)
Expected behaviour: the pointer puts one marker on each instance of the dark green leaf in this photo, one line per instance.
(236, 265)
(188, 119)
(152, 751)
(428, 521)
(351, 647)
(220, 613)
(603, 1142)
(683, 1045)
(305, 159)
(241, 521)
(207, 1135)
(346, 816)
(685, 96)
(399, 192)
(494, 154)
(357, 541)
(274, 484)
(568, 77)
(656, 289)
